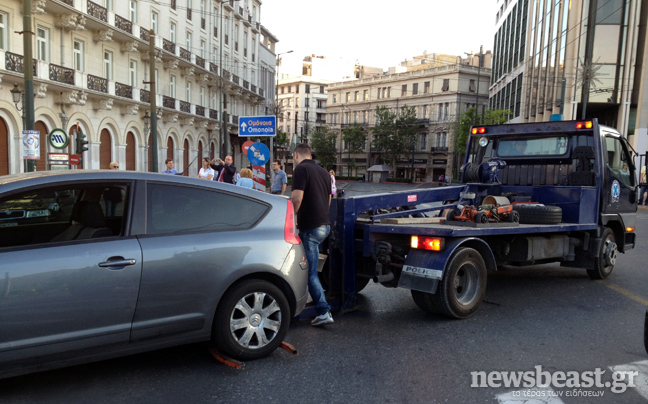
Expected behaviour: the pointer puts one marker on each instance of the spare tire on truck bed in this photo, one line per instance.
(536, 213)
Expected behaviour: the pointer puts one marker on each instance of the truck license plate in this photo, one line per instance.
(423, 272)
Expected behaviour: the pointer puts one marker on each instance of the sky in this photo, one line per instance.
(380, 33)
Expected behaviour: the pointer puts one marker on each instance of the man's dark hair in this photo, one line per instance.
(303, 149)
(278, 163)
(167, 160)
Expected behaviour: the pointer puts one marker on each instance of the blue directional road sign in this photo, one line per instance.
(257, 126)
(258, 154)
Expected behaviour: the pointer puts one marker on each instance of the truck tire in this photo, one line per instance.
(424, 301)
(462, 288)
(531, 213)
(606, 258)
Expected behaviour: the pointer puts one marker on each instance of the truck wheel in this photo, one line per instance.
(463, 286)
(424, 301)
(252, 320)
(532, 213)
(607, 255)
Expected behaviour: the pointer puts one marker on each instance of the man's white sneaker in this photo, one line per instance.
(325, 318)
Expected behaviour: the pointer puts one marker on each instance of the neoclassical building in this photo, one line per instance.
(91, 71)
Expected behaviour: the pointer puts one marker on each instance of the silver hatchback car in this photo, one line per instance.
(98, 264)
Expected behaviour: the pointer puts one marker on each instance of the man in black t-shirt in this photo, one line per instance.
(311, 198)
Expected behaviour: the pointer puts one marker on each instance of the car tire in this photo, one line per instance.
(252, 320)
(462, 289)
(531, 213)
(606, 257)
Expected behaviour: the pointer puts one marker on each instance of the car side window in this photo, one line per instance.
(57, 214)
(618, 160)
(173, 209)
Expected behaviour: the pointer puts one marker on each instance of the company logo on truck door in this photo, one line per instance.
(616, 191)
(423, 272)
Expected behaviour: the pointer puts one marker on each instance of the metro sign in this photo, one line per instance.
(58, 139)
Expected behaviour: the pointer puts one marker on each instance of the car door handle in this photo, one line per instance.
(117, 262)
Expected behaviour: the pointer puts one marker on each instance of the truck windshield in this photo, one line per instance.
(548, 146)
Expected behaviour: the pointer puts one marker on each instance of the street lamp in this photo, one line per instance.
(18, 97)
(277, 101)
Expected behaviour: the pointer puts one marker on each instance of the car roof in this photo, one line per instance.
(23, 180)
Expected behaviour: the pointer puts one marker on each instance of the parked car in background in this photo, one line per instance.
(181, 260)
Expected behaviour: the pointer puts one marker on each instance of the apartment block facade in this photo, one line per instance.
(439, 96)
(92, 65)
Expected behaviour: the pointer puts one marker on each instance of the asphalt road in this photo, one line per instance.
(389, 351)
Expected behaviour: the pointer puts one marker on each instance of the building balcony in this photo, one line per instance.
(168, 102)
(123, 90)
(97, 84)
(185, 107)
(97, 11)
(200, 110)
(439, 149)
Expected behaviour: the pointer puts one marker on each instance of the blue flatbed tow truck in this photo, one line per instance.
(573, 189)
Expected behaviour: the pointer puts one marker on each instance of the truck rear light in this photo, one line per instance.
(290, 235)
(480, 131)
(630, 229)
(584, 125)
(427, 243)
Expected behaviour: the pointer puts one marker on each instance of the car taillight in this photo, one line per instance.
(480, 130)
(289, 227)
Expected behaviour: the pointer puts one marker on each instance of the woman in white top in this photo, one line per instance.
(333, 187)
(206, 172)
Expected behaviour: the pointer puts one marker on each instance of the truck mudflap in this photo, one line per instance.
(424, 269)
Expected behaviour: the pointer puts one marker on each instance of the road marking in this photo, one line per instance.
(640, 380)
(544, 395)
(624, 292)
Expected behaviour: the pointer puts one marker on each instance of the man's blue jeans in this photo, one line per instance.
(311, 239)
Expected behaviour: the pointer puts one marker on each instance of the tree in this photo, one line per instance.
(323, 144)
(355, 136)
(281, 140)
(462, 127)
(395, 133)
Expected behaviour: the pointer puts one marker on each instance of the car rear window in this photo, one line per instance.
(173, 209)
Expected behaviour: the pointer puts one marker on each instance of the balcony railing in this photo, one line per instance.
(189, 14)
(253, 88)
(168, 102)
(61, 74)
(98, 12)
(145, 96)
(123, 90)
(234, 119)
(185, 54)
(173, 4)
(123, 24)
(16, 63)
(261, 92)
(68, 2)
(226, 39)
(185, 107)
(97, 83)
(200, 62)
(216, 32)
(203, 23)
(439, 149)
(235, 79)
(213, 68)
(200, 110)
(213, 114)
(144, 34)
(246, 85)
(168, 46)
